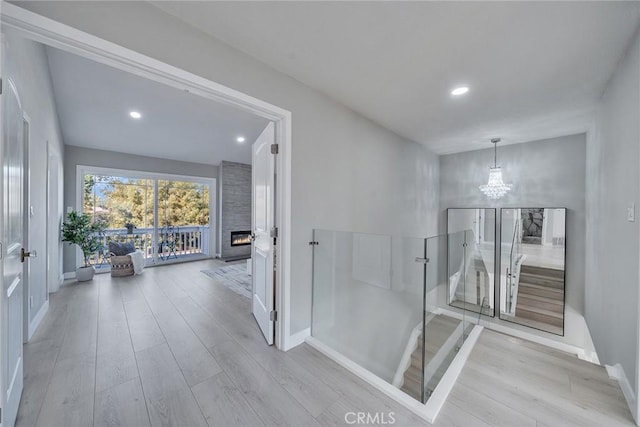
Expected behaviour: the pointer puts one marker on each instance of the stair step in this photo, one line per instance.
(416, 359)
(412, 388)
(536, 279)
(444, 320)
(414, 373)
(438, 330)
(553, 305)
(542, 271)
(532, 309)
(542, 299)
(542, 291)
(540, 316)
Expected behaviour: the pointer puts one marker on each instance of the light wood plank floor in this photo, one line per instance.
(174, 348)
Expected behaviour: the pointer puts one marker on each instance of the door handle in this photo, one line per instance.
(24, 254)
(253, 237)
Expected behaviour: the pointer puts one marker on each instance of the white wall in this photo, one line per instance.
(74, 156)
(27, 66)
(613, 254)
(379, 182)
(55, 194)
(549, 173)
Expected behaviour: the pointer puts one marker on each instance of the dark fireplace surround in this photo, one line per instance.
(235, 208)
(240, 238)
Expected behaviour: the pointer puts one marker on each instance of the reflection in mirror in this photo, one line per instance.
(532, 267)
(471, 256)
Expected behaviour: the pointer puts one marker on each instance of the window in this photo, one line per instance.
(165, 218)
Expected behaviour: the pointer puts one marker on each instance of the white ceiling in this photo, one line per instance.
(536, 69)
(94, 101)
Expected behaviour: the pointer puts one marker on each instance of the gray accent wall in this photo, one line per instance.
(613, 248)
(348, 172)
(27, 66)
(235, 200)
(548, 173)
(74, 156)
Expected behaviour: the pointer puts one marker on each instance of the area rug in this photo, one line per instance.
(234, 277)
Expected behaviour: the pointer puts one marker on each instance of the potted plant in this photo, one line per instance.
(129, 227)
(80, 230)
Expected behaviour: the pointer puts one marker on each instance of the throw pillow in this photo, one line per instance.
(120, 249)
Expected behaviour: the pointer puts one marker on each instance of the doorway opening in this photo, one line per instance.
(51, 33)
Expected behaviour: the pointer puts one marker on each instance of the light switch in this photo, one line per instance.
(631, 212)
(69, 209)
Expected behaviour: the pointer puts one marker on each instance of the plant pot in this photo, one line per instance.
(130, 229)
(84, 274)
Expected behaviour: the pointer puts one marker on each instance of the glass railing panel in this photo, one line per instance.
(471, 273)
(456, 269)
(367, 302)
(479, 275)
(444, 332)
(514, 258)
(476, 228)
(511, 259)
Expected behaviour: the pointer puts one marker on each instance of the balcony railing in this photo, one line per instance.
(171, 242)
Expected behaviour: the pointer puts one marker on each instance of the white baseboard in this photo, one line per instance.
(296, 339)
(69, 275)
(33, 325)
(617, 373)
(428, 411)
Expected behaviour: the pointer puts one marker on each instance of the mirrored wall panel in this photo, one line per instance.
(471, 259)
(532, 267)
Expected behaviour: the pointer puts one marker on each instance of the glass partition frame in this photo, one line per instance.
(512, 261)
(457, 328)
(468, 239)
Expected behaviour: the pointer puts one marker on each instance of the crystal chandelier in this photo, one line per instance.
(495, 188)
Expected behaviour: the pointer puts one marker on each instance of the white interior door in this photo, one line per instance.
(12, 245)
(263, 221)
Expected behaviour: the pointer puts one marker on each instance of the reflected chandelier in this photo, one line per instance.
(495, 189)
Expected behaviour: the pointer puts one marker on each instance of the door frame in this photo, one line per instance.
(2, 244)
(26, 225)
(69, 39)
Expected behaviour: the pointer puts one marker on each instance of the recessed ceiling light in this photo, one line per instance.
(240, 139)
(135, 115)
(460, 90)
